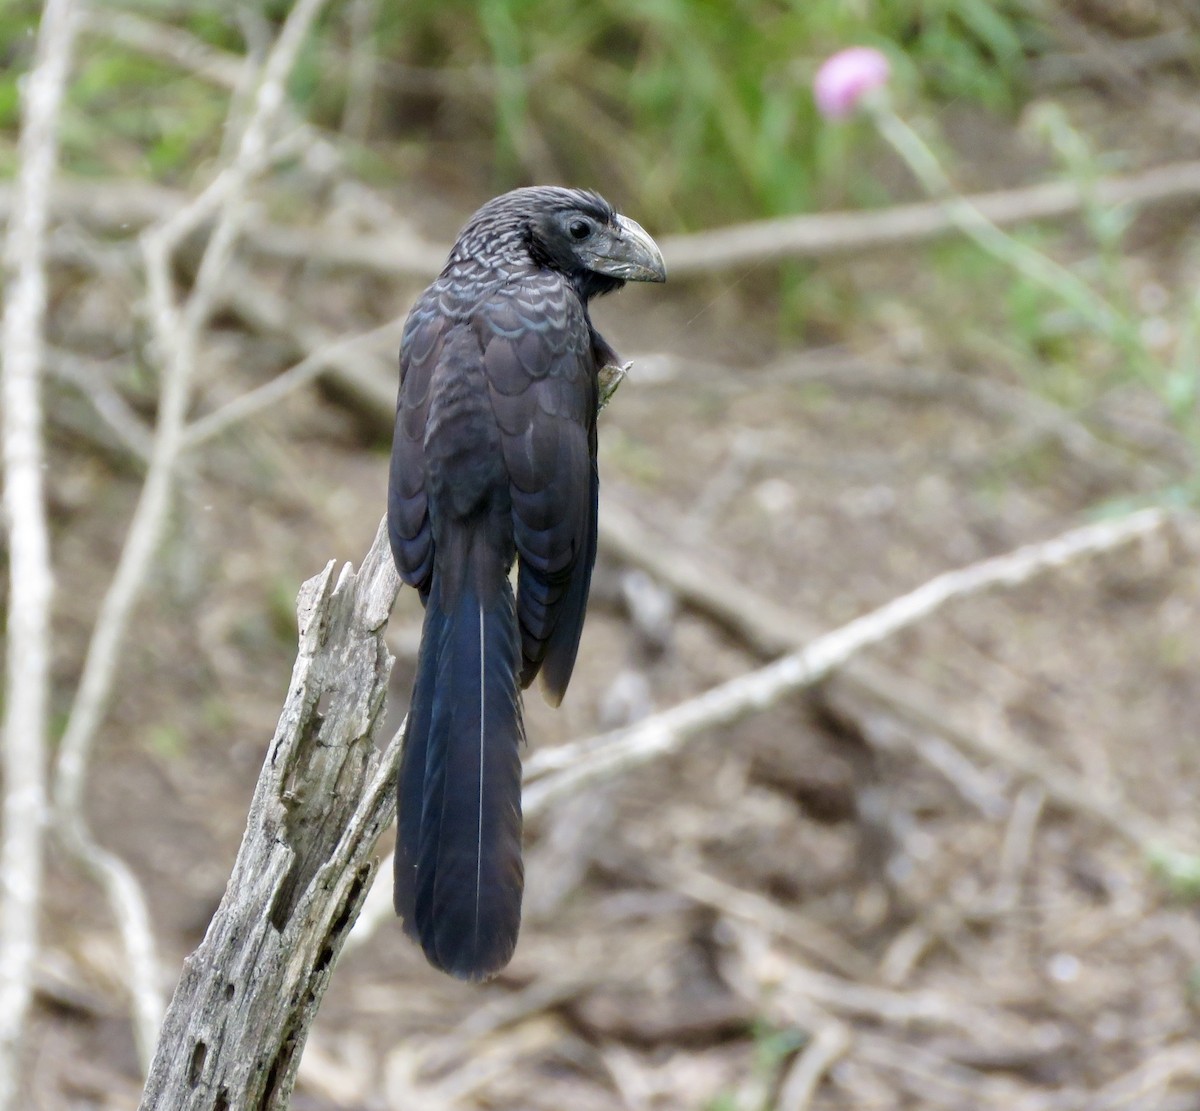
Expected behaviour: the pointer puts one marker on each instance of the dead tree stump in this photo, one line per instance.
(234, 1031)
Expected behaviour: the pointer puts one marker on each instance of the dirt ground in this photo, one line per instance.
(924, 885)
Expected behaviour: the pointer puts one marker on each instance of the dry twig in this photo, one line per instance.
(177, 333)
(556, 772)
(830, 1042)
(169, 44)
(364, 61)
(808, 935)
(89, 377)
(27, 679)
(336, 355)
(770, 629)
(403, 254)
(839, 233)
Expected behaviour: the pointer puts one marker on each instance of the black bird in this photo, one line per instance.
(494, 459)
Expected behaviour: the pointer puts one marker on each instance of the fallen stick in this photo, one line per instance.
(835, 233)
(553, 773)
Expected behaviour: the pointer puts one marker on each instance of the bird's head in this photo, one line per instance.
(574, 231)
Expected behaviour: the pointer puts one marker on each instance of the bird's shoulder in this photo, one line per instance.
(503, 298)
(527, 326)
(533, 328)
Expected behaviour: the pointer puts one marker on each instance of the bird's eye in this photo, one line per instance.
(580, 229)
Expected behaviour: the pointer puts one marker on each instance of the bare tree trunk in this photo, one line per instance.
(235, 1028)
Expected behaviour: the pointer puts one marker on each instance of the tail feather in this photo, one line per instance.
(411, 786)
(459, 875)
(563, 645)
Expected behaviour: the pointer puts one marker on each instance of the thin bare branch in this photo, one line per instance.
(169, 44)
(396, 253)
(89, 378)
(553, 773)
(836, 233)
(27, 679)
(364, 62)
(829, 1043)
(177, 331)
(770, 629)
(815, 940)
(321, 357)
(364, 376)
(808, 236)
(402, 253)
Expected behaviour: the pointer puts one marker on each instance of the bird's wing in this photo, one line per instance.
(408, 507)
(541, 374)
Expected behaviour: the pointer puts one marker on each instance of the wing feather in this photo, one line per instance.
(408, 503)
(541, 372)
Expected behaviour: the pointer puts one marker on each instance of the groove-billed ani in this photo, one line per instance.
(494, 459)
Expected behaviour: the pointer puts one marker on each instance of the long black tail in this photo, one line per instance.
(459, 876)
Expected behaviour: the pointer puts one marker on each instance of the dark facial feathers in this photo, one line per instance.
(573, 232)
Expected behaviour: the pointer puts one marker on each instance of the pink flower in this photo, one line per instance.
(846, 77)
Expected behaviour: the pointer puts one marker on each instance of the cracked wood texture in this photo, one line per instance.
(233, 1034)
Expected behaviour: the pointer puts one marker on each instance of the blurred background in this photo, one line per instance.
(932, 882)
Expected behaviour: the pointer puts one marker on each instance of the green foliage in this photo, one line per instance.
(127, 113)
(1000, 318)
(773, 1048)
(1178, 871)
(18, 24)
(773, 1045)
(1193, 986)
(700, 106)
(135, 115)
(1076, 331)
(281, 609)
(1079, 372)
(165, 740)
